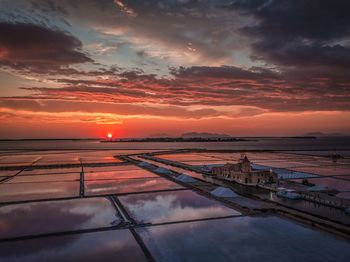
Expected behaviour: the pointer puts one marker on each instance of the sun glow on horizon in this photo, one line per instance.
(109, 135)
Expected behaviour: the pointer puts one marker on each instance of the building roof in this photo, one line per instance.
(245, 160)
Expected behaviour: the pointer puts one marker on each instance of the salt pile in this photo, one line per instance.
(285, 173)
(145, 164)
(317, 188)
(163, 170)
(223, 192)
(186, 179)
(208, 168)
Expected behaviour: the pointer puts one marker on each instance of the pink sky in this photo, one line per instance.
(138, 69)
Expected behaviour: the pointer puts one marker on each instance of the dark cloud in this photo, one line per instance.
(59, 105)
(257, 88)
(317, 20)
(210, 32)
(229, 72)
(38, 48)
(300, 55)
(298, 33)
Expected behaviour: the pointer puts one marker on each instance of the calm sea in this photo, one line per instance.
(322, 143)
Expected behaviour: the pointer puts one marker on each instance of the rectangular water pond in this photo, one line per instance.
(47, 171)
(56, 216)
(33, 191)
(330, 182)
(98, 159)
(326, 170)
(243, 239)
(121, 186)
(45, 178)
(317, 209)
(284, 173)
(6, 173)
(18, 160)
(282, 163)
(124, 167)
(115, 245)
(184, 157)
(54, 159)
(119, 174)
(173, 206)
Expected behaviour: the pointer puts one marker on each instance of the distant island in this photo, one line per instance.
(302, 137)
(204, 135)
(321, 134)
(178, 139)
(186, 137)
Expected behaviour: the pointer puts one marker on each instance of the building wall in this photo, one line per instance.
(244, 174)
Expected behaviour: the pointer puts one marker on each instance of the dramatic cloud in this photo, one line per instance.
(299, 33)
(110, 61)
(168, 31)
(208, 87)
(124, 8)
(29, 46)
(123, 110)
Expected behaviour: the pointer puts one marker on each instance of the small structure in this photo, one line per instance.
(162, 170)
(288, 193)
(223, 192)
(242, 172)
(145, 164)
(317, 188)
(335, 157)
(186, 179)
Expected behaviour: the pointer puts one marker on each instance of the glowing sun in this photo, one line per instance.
(109, 135)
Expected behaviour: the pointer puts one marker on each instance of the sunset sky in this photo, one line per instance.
(138, 68)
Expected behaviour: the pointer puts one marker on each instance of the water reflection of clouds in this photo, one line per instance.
(173, 206)
(129, 185)
(31, 191)
(102, 246)
(242, 239)
(55, 216)
(45, 178)
(119, 174)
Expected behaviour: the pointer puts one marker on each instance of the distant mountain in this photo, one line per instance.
(203, 135)
(317, 134)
